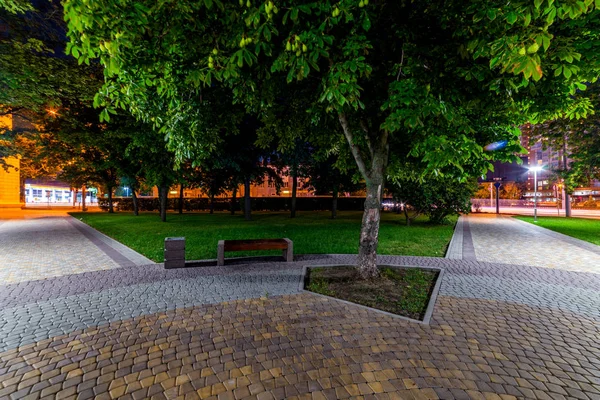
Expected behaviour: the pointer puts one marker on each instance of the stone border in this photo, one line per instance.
(428, 311)
(117, 251)
(582, 244)
(468, 250)
(455, 247)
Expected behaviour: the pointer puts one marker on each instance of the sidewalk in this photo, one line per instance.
(501, 239)
(245, 331)
(44, 244)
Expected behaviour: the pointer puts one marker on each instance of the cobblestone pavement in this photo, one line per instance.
(507, 240)
(498, 331)
(44, 247)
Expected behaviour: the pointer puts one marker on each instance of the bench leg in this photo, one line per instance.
(221, 253)
(288, 254)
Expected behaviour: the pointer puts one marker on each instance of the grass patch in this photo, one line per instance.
(580, 228)
(402, 291)
(312, 233)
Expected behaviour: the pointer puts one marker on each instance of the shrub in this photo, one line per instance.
(224, 204)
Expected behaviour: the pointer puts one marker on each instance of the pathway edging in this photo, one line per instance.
(455, 247)
(121, 254)
(560, 236)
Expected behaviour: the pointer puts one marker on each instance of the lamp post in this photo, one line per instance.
(535, 171)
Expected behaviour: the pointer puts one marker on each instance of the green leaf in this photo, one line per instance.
(551, 16)
(558, 71)
(511, 17)
(538, 3)
(545, 42)
(567, 72)
(366, 24)
(491, 14)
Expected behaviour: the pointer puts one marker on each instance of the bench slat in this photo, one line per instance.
(258, 244)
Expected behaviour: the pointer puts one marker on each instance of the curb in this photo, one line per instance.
(430, 305)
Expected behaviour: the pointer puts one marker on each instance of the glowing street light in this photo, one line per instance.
(535, 171)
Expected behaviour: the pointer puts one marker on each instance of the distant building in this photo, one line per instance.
(10, 180)
(265, 189)
(548, 190)
(50, 191)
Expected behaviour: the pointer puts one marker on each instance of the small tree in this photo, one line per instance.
(511, 190)
(325, 176)
(437, 198)
(483, 191)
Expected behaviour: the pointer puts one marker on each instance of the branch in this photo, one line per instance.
(10, 111)
(367, 136)
(353, 147)
(401, 62)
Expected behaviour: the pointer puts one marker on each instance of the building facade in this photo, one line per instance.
(10, 179)
(549, 187)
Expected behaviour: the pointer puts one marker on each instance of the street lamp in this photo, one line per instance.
(535, 171)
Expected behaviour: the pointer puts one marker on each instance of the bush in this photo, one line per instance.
(437, 197)
(590, 204)
(224, 204)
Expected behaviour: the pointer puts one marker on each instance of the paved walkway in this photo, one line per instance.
(502, 239)
(499, 331)
(47, 245)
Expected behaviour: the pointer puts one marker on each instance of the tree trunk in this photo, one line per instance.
(75, 191)
(111, 208)
(83, 194)
(407, 216)
(212, 203)
(369, 232)
(294, 191)
(136, 210)
(233, 200)
(372, 163)
(247, 202)
(162, 196)
(22, 198)
(334, 200)
(180, 199)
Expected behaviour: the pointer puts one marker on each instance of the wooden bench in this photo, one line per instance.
(286, 245)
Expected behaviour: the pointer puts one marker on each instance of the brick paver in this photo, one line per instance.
(498, 331)
(41, 248)
(506, 240)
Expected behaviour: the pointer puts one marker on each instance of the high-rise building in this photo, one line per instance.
(551, 159)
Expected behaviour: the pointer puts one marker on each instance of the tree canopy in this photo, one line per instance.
(432, 81)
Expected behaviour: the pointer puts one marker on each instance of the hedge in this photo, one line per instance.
(224, 204)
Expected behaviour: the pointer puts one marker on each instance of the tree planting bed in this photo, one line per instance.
(404, 291)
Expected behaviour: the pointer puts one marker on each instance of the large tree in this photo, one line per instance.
(430, 80)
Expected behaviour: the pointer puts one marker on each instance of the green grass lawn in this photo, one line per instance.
(584, 229)
(312, 233)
